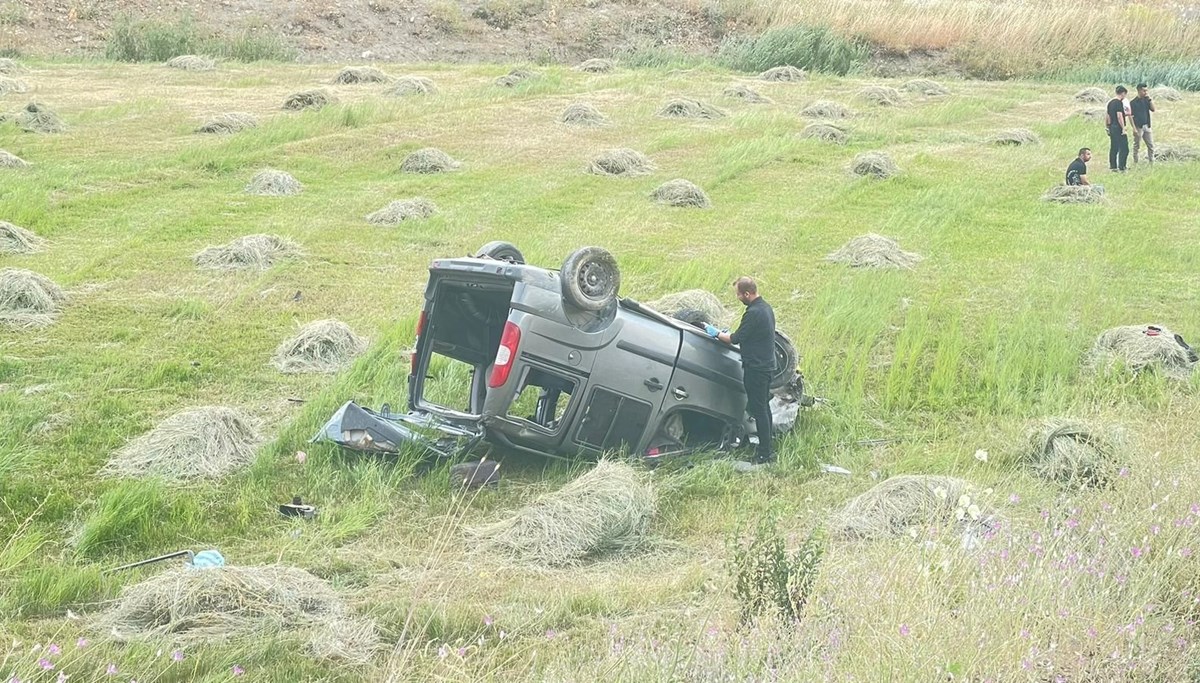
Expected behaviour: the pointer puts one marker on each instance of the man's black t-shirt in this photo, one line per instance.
(1115, 106)
(756, 336)
(1075, 170)
(1140, 108)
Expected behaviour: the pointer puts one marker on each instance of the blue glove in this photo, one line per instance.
(711, 331)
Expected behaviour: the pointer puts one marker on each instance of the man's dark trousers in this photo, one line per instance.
(1118, 151)
(758, 404)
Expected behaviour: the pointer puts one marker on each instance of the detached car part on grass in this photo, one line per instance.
(556, 363)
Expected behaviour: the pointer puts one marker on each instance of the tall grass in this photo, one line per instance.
(816, 49)
(1184, 75)
(1002, 40)
(139, 40)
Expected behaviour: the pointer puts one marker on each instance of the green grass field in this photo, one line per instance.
(926, 366)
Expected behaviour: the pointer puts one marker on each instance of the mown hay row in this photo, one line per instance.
(1075, 455)
(10, 67)
(1140, 348)
(412, 85)
(10, 86)
(924, 86)
(597, 66)
(271, 182)
(1091, 96)
(606, 510)
(228, 124)
(307, 99)
(583, 114)
(692, 306)
(1170, 153)
(192, 63)
(206, 442)
(516, 77)
(251, 252)
(17, 240)
(826, 109)
(783, 74)
(904, 502)
(687, 108)
(429, 160)
(10, 160)
(1166, 94)
(1014, 137)
(681, 193)
(1075, 194)
(322, 346)
(825, 132)
(28, 299)
(874, 251)
(874, 165)
(621, 162)
(354, 75)
(398, 211)
(881, 95)
(37, 118)
(745, 93)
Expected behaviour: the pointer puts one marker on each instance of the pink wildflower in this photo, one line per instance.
(1072, 523)
(45, 664)
(237, 670)
(53, 649)
(488, 620)
(550, 633)
(111, 670)
(1124, 472)
(177, 656)
(1013, 499)
(905, 630)
(62, 678)
(1137, 551)
(461, 652)
(81, 643)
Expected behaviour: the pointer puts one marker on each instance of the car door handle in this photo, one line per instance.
(653, 384)
(680, 393)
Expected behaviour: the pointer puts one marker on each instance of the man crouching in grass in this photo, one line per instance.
(1077, 171)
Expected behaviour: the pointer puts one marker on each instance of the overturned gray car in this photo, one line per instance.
(556, 363)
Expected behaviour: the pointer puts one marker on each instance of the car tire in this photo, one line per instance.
(590, 279)
(501, 251)
(786, 360)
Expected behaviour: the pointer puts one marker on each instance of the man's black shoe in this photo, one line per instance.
(767, 459)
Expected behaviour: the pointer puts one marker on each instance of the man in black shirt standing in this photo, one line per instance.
(1140, 107)
(1077, 171)
(1118, 144)
(756, 337)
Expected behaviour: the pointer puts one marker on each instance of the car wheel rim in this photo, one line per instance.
(594, 281)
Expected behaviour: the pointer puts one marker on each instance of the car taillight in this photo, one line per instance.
(421, 323)
(412, 359)
(509, 341)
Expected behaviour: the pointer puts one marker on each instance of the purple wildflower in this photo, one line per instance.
(905, 630)
(54, 649)
(111, 670)
(237, 670)
(177, 656)
(45, 664)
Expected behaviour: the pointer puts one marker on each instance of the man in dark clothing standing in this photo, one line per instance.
(756, 337)
(1118, 144)
(1077, 171)
(1140, 107)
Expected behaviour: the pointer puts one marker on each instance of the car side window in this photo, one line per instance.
(543, 398)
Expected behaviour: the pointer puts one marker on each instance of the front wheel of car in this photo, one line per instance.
(590, 278)
(786, 360)
(501, 251)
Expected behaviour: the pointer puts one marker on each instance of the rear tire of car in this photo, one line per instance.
(501, 251)
(590, 278)
(786, 360)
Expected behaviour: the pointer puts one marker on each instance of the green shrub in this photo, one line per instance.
(134, 40)
(1182, 75)
(768, 582)
(654, 57)
(815, 49)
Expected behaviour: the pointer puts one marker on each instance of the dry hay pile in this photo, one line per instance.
(401, 210)
(1143, 347)
(17, 240)
(429, 160)
(516, 77)
(9, 67)
(257, 252)
(825, 109)
(745, 93)
(874, 251)
(1166, 94)
(1169, 153)
(783, 74)
(692, 305)
(321, 346)
(597, 66)
(346, 641)
(37, 118)
(1014, 136)
(412, 85)
(1075, 194)
(583, 114)
(1090, 114)
(227, 124)
(210, 441)
(1091, 96)
(926, 87)
(28, 299)
(686, 108)
(898, 504)
(192, 63)
(195, 606)
(1074, 454)
(273, 183)
(874, 165)
(10, 160)
(882, 95)
(12, 85)
(621, 162)
(307, 99)
(680, 192)
(352, 75)
(606, 510)
(825, 132)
